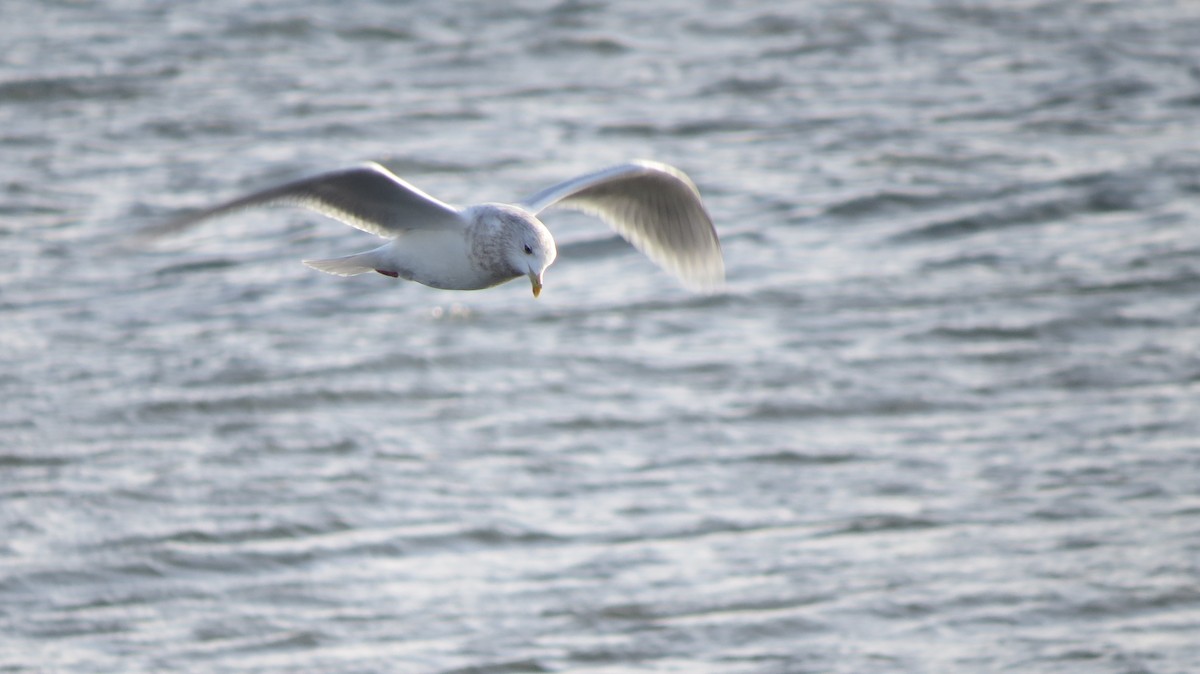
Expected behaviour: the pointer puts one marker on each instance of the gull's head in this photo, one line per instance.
(509, 242)
(530, 249)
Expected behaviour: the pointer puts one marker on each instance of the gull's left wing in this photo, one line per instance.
(655, 207)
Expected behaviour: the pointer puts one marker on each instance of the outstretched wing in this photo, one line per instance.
(655, 207)
(368, 197)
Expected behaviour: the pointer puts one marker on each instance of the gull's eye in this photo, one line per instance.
(528, 250)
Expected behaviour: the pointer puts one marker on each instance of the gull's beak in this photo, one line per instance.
(536, 280)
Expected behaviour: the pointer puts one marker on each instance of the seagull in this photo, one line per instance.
(654, 206)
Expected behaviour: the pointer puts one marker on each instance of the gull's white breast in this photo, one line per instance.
(437, 258)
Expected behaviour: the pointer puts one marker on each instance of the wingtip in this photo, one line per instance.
(701, 273)
(161, 230)
(707, 282)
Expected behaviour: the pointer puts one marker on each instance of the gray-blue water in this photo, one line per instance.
(945, 417)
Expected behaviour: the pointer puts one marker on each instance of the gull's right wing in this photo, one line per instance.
(368, 197)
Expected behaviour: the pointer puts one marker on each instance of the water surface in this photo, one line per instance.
(943, 418)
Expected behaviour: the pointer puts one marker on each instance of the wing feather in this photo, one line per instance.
(367, 197)
(655, 207)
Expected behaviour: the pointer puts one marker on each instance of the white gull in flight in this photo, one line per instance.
(654, 206)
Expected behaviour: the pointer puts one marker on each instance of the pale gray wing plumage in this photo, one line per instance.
(368, 197)
(655, 207)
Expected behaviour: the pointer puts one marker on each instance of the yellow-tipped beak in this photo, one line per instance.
(537, 284)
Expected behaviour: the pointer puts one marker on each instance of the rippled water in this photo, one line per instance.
(944, 417)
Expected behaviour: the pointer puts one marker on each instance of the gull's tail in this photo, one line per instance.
(349, 265)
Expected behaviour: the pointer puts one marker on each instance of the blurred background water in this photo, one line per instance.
(943, 418)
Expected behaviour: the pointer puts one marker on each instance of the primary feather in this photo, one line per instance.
(368, 197)
(655, 207)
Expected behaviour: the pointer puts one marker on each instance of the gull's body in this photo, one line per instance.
(654, 206)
